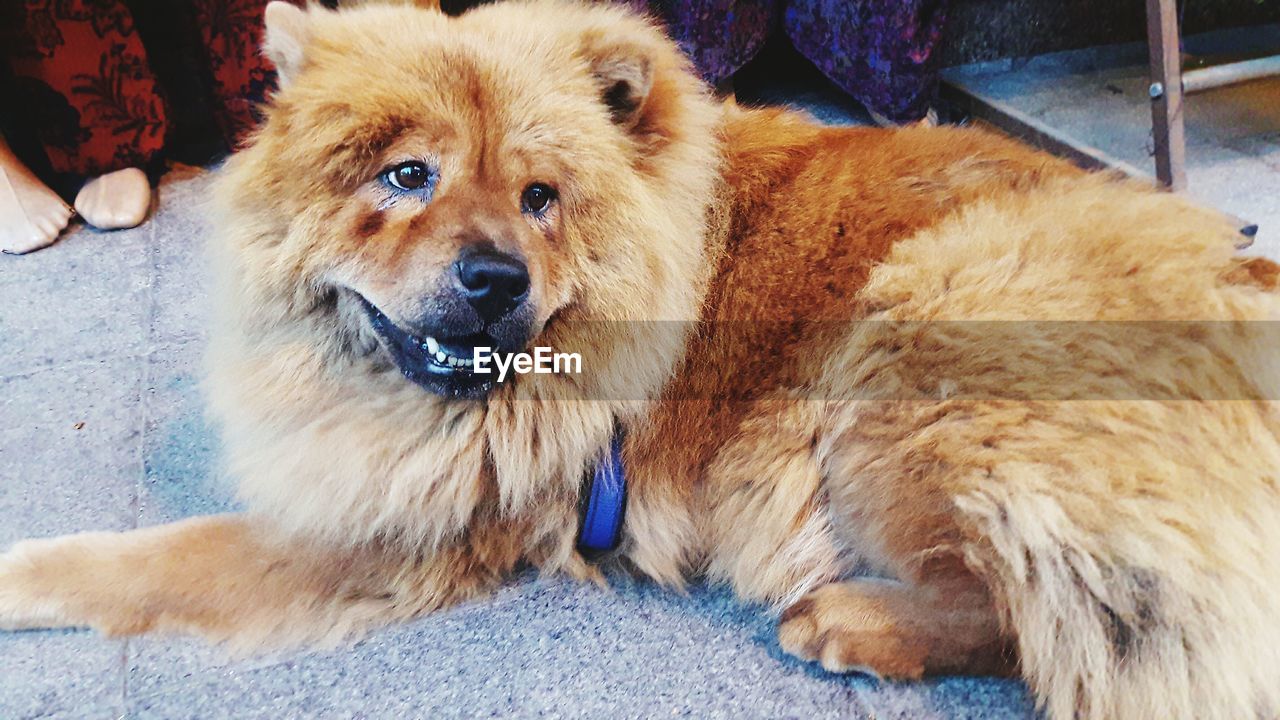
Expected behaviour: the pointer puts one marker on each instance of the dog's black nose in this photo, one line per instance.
(493, 283)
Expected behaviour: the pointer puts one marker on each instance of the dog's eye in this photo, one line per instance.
(408, 176)
(536, 198)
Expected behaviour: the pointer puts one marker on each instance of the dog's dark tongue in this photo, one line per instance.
(466, 345)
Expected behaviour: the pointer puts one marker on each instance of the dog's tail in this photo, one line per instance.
(1170, 610)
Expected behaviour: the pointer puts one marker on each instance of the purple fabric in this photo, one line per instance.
(720, 36)
(883, 52)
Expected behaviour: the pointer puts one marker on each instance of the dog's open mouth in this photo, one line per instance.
(441, 365)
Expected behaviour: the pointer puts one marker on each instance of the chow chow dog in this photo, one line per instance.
(946, 404)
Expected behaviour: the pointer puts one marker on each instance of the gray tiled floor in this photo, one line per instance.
(100, 428)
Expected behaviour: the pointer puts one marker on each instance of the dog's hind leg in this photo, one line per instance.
(897, 630)
(229, 579)
(1126, 548)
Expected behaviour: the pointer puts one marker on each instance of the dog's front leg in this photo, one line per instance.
(227, 578)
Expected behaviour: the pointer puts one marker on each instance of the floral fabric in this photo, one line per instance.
(231, 31)
(80, 71)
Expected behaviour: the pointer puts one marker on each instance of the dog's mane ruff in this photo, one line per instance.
(326, 447)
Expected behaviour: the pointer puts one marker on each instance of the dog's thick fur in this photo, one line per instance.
(1117, 549)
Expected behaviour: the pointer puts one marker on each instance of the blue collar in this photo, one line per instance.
(603, 504)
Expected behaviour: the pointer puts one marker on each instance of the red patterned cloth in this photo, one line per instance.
(231, 31)
(81, 76)
(81, 71)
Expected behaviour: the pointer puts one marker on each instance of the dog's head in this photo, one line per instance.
(426, 185)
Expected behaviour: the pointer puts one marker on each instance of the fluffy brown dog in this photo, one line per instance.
(1096, 509)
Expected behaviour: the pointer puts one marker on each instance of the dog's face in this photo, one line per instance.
(454, 183)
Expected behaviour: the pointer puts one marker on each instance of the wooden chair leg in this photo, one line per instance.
(1166, 93)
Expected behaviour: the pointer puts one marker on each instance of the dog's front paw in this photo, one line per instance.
(848, 632)
(28, 598)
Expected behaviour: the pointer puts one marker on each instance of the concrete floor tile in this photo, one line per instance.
(958, 698)
(157, 665)
(1264, 147)
(80, 253)
(70, 449)
(544, 648)
(181, 279)
(60, 674)
(179, 447)
(95, 306)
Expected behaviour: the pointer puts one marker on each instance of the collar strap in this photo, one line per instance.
(603, 504)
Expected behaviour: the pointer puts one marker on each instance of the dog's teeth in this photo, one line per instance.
(440, 356)
(432, 346)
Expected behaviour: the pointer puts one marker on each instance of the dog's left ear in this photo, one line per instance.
(288, 32)
(623, 71)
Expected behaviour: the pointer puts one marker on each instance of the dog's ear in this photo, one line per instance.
(623, 70)
(288, 32)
